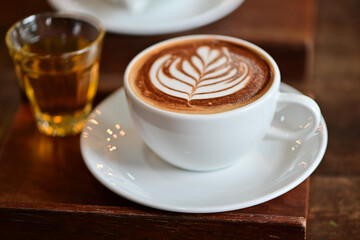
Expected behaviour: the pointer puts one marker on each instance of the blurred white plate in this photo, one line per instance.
(115, 154)
(160, 17)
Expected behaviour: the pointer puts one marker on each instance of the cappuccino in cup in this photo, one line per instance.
(202, 102)
(202, 76)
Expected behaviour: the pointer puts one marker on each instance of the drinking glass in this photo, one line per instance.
(56, 58)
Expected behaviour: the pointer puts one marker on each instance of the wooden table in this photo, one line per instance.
(43, 196)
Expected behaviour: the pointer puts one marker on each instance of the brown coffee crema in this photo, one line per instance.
(200, 76)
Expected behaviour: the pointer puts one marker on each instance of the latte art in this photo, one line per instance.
(210, 73)
(199, 76)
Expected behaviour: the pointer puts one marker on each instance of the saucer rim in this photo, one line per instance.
(221, 10)
(323, 139)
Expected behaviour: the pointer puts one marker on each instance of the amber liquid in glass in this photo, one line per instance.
(59, 87)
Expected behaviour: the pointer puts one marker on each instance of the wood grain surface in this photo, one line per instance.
(45, 181)
(334, 211)
(327, 69)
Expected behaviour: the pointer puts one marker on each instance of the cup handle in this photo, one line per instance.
(303, 103)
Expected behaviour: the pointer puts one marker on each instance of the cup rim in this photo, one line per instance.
(275, 85)
(76, 16)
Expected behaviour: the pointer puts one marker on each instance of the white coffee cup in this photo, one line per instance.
(204, 142)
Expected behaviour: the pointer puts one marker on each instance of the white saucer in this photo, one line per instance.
(161, 16)
(117, 157)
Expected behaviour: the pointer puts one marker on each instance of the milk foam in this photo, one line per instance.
(210, 73)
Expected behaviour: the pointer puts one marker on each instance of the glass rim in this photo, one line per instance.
(71, 15)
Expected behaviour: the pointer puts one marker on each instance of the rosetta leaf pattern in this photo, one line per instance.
(208, 73)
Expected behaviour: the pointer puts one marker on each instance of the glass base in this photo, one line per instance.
(62, 125)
